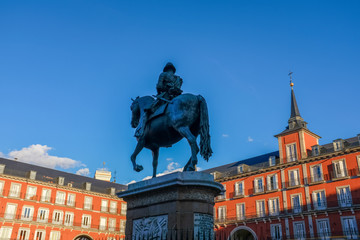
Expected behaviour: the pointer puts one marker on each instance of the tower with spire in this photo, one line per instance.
(296, 140)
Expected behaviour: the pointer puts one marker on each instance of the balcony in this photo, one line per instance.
(339, 175)
(258, 190)
(293, 184)
(220, 198)
(318, 179)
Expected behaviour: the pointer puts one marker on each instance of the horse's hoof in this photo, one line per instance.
(139, 168)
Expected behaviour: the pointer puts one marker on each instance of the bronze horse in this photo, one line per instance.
(185, 116)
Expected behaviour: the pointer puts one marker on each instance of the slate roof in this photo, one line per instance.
(21, 169)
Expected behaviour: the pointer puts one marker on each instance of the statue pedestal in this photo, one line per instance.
(175, 206)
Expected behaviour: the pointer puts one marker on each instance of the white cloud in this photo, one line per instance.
(250, 139)
(83, 172)
(133, 181)
(2, 155)
(224, 135)
(169, 159)
(38, 154)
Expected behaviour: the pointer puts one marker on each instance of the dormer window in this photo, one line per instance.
(240, 169)
(2, 168)
(272, 161)
(87, 186)
(338, 144)
(32, 175)
(61, 181)
(291, 152)
(315, 150)
(358, 136)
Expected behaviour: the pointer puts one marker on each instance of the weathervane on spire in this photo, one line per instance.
(291, 82)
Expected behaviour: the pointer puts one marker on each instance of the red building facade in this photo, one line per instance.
(45, 204)
(302, 191)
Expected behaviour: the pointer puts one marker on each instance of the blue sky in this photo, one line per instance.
(69, 68)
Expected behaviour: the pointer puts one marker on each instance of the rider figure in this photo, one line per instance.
(168, 87)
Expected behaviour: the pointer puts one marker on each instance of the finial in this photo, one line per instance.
(291, 82)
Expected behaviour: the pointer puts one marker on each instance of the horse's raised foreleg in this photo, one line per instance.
(155, 153)
(186, 133)
(139, 147)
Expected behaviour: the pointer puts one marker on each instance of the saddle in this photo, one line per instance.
(158, 112)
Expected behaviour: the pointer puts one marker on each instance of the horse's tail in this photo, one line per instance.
(205, 148)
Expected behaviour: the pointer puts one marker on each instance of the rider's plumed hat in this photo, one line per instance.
(168, 66)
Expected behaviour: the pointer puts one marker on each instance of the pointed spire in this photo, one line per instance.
(294, 107)
(295, 121)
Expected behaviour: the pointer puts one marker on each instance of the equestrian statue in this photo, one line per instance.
(166, 118)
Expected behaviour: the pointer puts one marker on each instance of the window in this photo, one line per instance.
(339, 169)
(15, 190)
(338, 144)
(27, 213)
(43, 215)
(258, 184)
(349, 227)
(319, 200)
(223, 195)
(260, 208)
(88, 186)
(222, 213)
(2, 183)
(57, 217)
(32, 175)
(23, 234)
(88, 203)
(5, 233)
(123, 208)
(296, 203)
(272, 182)
(45, 195)
(71, 199)
(10, 211)
(104, 205)
(299, 230)
(55, 235)
(272, 161)
(122, 226)
(31, 193)
(102, 225)
(240, 211)
(316, 173)
(86, 221)
(60, 198)
(274, 206)
(315, 150)
(39, 235)
(323, 228)
(276, 233)
(239, 188)
(294, 178)
(291, 152)
(240, 169)
(112, 224)
(113, 206)
(69, 219)
(344, 196)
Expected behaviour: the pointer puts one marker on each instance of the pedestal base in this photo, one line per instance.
(175, 206)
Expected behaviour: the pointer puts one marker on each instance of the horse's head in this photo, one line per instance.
(135, 109)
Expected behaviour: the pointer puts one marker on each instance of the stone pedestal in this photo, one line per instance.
(175, 206)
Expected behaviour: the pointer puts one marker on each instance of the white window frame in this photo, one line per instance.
(8, 215)
(294, 208)
(60, 197)
(239, 191)
(323, 202)
(276, 231)
(31, 193)
(86, 224)
(123, 208)
(352, 233)
(101, 225)
(20, 234)
(45, 215)
(113, 207)
(274, 206)
(240, 211)
(122, 226)
(104, 207)
(112, 224)
(274, 185)
(296, 181)
(259, 188)
(58, 220)
(27, 213)
(339, 168)
(272, 161)
(299, 234)
(291, 152)
(315, 150)
(43, 234)
(45, 195)
(5, 232)
(55, 235)
(88, 203)
(69, 219)
(338, 145)
(261, 208)
(70, 200)
(344, 200)
(15, 193)
(222, 210)
(314, 175)
(320, 230)
(2, 184)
